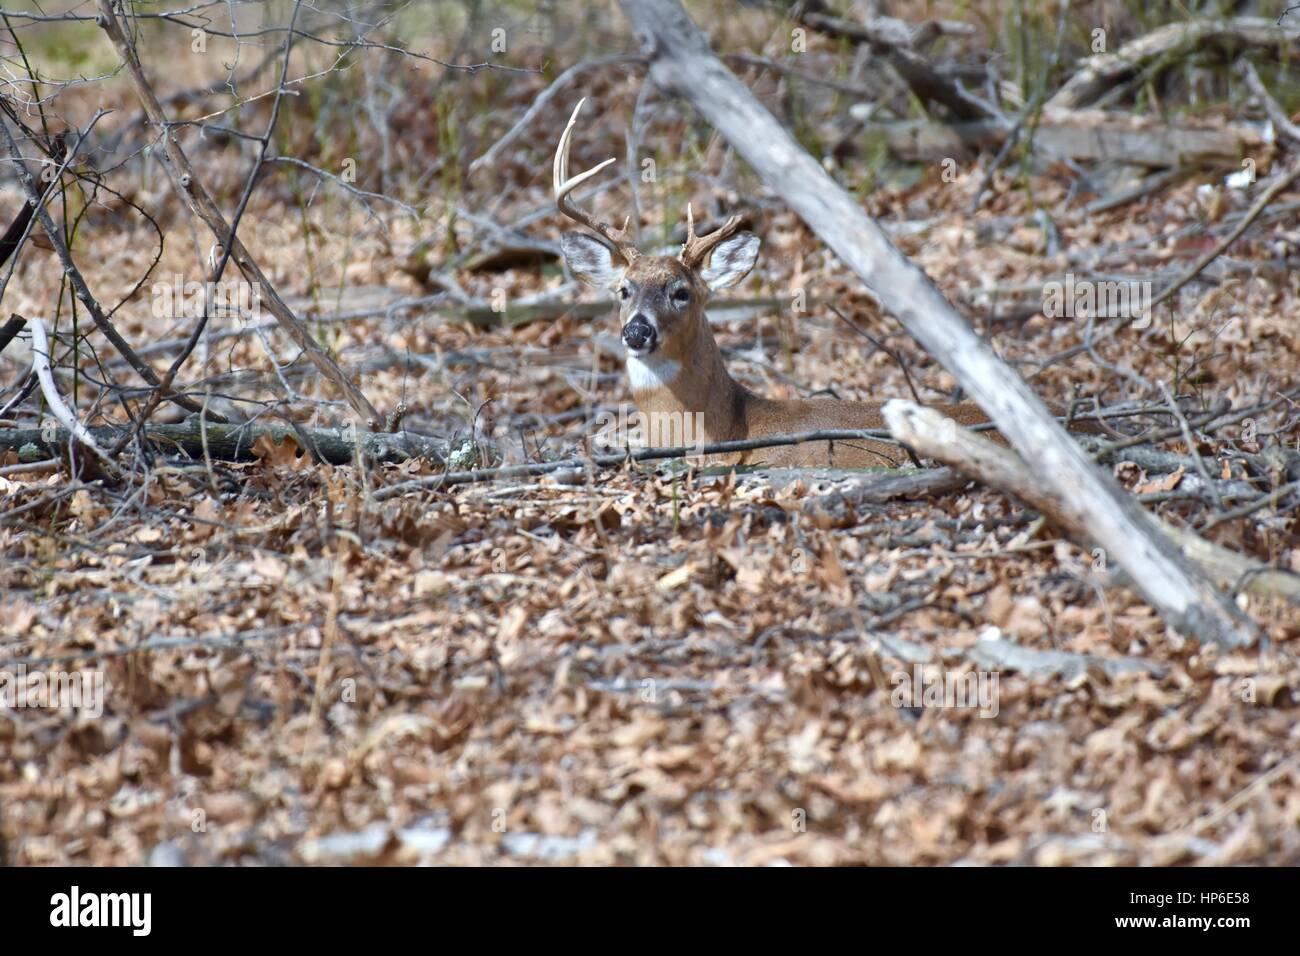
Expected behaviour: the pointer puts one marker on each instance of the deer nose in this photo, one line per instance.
(639, 334)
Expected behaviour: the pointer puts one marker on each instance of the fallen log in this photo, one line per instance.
(234, 442)
(1085, 134)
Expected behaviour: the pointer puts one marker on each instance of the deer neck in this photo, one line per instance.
(686, 375)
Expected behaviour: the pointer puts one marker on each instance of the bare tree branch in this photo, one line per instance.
(187, 185)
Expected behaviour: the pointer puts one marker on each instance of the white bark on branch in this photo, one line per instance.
(682, 63)
(58, 407)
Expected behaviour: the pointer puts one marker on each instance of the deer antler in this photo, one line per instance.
(563, 185)
(697, 248)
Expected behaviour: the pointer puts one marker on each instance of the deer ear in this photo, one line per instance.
(589, 259)
(731, 261)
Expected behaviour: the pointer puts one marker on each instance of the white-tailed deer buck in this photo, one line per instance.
(673, 361)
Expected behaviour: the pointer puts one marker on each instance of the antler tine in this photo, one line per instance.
(697, 248)
(563, 185)
(690, 227)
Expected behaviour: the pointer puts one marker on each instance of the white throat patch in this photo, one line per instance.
(650, 372)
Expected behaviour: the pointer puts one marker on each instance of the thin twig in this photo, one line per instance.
(616, 459)
(898, 359)
(1277, 496)
(31, 468)
(1284, 180)
(493, 152)
(220, 268)
(1192, 450)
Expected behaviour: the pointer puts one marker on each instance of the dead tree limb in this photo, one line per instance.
(187, 185)
(681, 62)
(234, 442)
(936, 436)
(1105, 70)
(898, 42)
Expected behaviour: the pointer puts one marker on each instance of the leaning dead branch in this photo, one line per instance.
(683, 63)
(935, 436)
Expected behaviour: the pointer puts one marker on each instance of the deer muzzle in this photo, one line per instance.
(639, 335)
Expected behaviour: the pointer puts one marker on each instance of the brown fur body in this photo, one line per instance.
(732, 412)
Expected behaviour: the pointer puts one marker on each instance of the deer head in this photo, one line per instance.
(674, 365)
(661, 298)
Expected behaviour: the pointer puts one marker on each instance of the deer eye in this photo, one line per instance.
(624, 293)
(681, 296)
